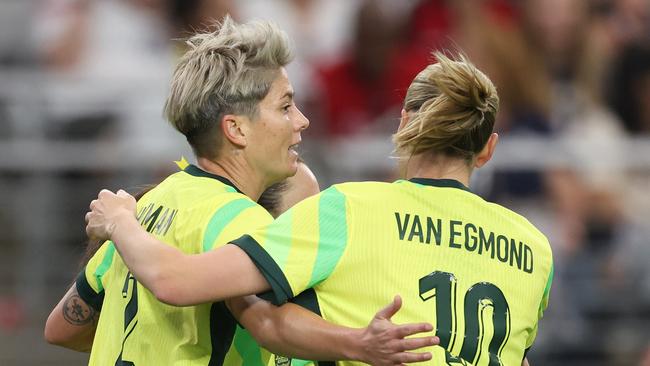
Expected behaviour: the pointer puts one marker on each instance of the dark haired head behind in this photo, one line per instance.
(281, 196)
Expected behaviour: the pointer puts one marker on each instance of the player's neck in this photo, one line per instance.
(438, 167)
(240, 175)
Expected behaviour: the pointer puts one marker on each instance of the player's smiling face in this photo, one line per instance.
(275, 132)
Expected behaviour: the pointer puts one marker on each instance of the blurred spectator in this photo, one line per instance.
(630, 88)
(192, 16)
(316, 37)
(320, 30)
(565, 35)
(14, 51)
(356, 91)
(99, 57)
(559, 34)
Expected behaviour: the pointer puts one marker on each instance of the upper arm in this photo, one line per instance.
(72, 322)
(90, 282)
(302, 247)
(216, 275)
(251, 312)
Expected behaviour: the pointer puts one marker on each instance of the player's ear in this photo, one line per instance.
(234, 129)
(488, 150)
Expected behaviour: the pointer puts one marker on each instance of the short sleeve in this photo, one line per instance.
(542, 307)
(302, 247)
(89, 282)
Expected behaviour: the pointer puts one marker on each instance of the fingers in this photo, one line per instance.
(411, 357)
(391, 309)
(406, 330)
(108, 196)
(122, 193)
(105, 193)
(417, 343)
(89, 228)
(87, 219)
(128, 199)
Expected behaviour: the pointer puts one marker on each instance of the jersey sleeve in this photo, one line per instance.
(89, 282)
(233, 220)
(302, 247)
(542, 307)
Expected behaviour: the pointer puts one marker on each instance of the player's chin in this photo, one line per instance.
(293, 169)
(291, 166)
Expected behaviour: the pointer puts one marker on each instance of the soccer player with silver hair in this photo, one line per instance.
(232, 99)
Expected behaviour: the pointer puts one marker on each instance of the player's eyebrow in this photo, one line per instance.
(288, 94)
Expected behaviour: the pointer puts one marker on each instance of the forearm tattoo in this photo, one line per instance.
(76, 311)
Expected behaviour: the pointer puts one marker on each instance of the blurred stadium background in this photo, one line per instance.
(82, 84)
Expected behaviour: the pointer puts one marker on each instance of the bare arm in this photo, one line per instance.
(525, 362)
(294, 331)
(172, 276)
(72, 323)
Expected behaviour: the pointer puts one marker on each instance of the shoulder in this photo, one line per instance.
(233, 202)
(362, 189)
(522, 223)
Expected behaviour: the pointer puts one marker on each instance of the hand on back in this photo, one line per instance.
(386, 342)
(106, 210)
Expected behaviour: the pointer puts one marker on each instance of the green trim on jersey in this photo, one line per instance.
(105, 265)
(247, 348)
(198, 172)
(222, 218)
(333, 234)
(280, 289)
(87, 293)
(443, 183)
(296, 362)
(547, 291)
(283, 227)
(222, 332)
(308, 300)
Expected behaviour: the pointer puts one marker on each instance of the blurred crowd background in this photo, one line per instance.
(83, 82)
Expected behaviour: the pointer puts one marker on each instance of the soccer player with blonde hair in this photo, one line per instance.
(478, 271)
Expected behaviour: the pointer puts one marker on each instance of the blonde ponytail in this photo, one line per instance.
(453, 106)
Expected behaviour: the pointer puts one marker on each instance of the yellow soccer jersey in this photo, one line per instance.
(478, 272)
(194, 211)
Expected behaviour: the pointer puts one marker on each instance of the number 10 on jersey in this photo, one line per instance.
(479, 297)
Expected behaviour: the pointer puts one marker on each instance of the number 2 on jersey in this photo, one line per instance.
(442, 286)
(129, 314)
(132, 306)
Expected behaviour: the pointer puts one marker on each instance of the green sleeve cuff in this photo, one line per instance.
(280, 288)
(87, 293)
